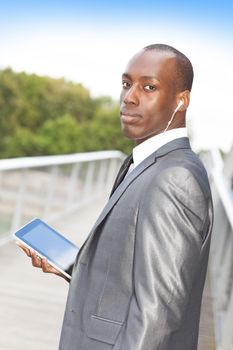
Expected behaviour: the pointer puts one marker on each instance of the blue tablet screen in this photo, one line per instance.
(52, 245)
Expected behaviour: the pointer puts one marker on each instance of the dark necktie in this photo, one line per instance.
(122, 172)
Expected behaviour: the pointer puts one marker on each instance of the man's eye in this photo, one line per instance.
(149, 87)
(125, 84)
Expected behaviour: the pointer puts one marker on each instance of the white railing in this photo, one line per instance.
(52, 186)
(221, 254)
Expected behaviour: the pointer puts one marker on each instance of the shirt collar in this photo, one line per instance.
(144, 149)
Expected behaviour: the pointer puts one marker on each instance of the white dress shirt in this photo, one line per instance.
(144, 149)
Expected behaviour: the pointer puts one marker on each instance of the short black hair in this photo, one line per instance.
(184, 68)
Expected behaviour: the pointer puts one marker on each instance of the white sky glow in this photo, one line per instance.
(97, 57)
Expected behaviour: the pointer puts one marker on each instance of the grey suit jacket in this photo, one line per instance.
(137, 281)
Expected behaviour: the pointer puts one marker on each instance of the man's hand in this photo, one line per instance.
(39, 262)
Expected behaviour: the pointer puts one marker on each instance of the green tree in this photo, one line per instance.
(40, 115)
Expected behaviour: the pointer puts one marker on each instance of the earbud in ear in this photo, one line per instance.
(178, 106)
(172, 117)
(180, 103)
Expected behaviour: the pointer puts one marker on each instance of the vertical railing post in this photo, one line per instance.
(50, 191)
(17, 216)
(88, 179)
(100, 184)
(227, 337)
(111, 173)
(72, 184)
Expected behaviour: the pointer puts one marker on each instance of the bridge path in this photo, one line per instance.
(32, 303)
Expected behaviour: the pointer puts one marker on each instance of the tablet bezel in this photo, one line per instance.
(19, 234)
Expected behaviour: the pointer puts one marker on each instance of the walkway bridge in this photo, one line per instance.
(69, 192)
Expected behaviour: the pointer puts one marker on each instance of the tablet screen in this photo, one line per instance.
(49, 244)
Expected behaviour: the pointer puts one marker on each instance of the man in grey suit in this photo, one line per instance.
(138, 279)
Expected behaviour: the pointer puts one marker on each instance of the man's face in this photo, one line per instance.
(148, 96)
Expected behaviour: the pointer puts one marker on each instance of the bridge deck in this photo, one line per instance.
(32, 303)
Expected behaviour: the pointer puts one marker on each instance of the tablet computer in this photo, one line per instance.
(49, 244)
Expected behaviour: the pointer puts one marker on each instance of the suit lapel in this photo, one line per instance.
(170, 146)
(113, 200)
(123, 186)
(167, 148)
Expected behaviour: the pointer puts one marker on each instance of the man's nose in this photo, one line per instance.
(131, 96)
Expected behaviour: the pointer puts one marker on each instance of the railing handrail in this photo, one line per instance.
(34, 162)
(221, 254)
(53, 186)
(221, 185)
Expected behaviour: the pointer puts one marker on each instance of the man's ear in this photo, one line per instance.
(184, 97)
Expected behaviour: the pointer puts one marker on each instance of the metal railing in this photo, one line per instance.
(221, 254)
(52, 186)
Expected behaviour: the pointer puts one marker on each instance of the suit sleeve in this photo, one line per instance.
(167, 250)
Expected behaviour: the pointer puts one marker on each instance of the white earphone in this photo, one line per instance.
(178, 106)
(176, 109)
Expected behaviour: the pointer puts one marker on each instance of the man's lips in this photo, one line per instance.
(129, 117)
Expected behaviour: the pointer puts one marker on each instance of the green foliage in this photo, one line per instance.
(42, 116)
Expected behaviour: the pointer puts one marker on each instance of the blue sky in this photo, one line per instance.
(211, 15)
(91, 41)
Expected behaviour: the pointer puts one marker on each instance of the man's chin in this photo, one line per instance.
(128, 133)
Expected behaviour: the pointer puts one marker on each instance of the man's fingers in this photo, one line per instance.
(47, 268)
(36, 260)
(25, 249)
